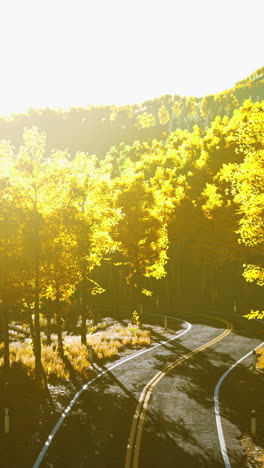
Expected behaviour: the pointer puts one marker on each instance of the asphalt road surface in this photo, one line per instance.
(179, 428)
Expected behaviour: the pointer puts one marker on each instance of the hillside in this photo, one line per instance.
(96, 129)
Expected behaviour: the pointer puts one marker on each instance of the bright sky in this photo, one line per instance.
(60, 53)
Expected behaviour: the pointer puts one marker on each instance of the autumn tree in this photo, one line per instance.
(190, 105)
(164, 116)
(11, 222)
(247, 181)
(177, 107)
(146, 120)
(60, 264)
(94, 218)
(141, 233)
(30, 177)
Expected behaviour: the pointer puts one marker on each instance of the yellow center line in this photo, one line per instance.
(135, 436)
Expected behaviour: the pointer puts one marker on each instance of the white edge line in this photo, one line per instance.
(85, 386)
(217, 409)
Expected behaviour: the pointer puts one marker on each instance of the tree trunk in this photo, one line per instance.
(37, 347)
(83, 328)
(48, 328)
(59, 321)
(177, 274)
(32, 330)
(203, 283)
(168, 291)
(59, 331)
(84, 313)
(213, 288)
(140, 298)
(37, 350)
(173, 280)
(6, 342)
(110, 276)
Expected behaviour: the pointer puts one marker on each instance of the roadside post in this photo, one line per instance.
(254, 359)
(6, 420)
(91, 355)
(165, 322)
(140, 314)
(235, 307)
(253, 423)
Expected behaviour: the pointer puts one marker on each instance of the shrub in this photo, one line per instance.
(260, 362)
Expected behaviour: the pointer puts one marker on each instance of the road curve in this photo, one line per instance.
(179, 427)
(134, 442)
(67, 410)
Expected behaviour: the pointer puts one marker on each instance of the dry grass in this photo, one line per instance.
(23, 353)
(260, 361)
(105, 344)
(108, 343)
(254, 453)
(261, 460)
(77, 354)
(52, 364)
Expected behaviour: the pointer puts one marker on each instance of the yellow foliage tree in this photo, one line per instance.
(247, 180)
(164, 116)
(191, 105)
(146, 120)
(176, 108)
(141, 233)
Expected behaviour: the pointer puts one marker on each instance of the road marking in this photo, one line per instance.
(134, 442)
(217, 408)
(88, 384)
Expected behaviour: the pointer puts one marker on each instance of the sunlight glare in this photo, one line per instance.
(60, 54)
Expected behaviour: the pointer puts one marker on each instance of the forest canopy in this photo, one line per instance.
(170, 209)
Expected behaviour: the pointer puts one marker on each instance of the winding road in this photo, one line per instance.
(157, 409)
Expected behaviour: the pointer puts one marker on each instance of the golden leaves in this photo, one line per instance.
(213, 200)
(146, 120)
(164, 116)
(253, 273)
